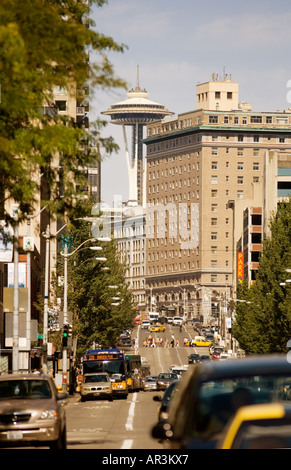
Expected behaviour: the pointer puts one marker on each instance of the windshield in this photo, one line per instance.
(18, 389)
(218, 400)
(167, 376)
(113, 368)
(95, 378)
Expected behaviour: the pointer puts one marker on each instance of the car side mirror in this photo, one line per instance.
(157, 398)
(62, 395)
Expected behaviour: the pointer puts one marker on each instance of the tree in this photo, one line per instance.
(264, 324)
(45, 43)
(95, 318)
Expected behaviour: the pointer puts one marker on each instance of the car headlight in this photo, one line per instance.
(48, 414)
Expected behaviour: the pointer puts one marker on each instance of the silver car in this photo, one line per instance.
(150, 383)
(32, 412)
(96, 385)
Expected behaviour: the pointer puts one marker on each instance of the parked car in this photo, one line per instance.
(264, 426)
(150, 383)
(193, 358)
(97, 385)
(210, 394)
(32, 412)
(164, 380)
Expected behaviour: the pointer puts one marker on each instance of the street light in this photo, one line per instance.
(66, 255)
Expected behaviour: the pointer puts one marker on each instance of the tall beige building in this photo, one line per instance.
(204, 168)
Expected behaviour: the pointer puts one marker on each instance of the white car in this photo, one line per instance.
(177, 320)
(145, 325)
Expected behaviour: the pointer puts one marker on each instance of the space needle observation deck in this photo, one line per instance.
(136, 111)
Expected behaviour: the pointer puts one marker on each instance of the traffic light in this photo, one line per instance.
(65, 335)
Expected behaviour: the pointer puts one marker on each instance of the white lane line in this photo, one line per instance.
(129, 422)
(127, 444)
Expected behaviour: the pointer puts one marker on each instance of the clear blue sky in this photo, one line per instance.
(178, 44)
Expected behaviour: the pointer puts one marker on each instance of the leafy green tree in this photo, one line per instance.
(95, 319)
(46, 43)
(263, 322)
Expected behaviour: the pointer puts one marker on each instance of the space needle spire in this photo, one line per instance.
(136, 111)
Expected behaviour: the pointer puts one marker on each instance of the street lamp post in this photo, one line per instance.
(65, 255)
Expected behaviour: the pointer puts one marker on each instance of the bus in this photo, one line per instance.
(111, 361)
(154, 317)
(134, 370)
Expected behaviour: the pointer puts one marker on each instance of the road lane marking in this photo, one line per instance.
(129, 422)
(127, 444)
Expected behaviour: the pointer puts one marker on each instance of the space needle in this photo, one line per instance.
(137, 111)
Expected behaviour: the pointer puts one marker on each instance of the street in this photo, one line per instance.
(126, 424)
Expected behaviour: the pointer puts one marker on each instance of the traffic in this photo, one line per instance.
(178, 393)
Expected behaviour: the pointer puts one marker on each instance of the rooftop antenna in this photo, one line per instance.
(137, 78)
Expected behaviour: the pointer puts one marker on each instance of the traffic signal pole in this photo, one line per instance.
(65, 320)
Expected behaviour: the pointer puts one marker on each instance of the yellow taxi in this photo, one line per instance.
(157, 327)
(263, 426)
(201, 342)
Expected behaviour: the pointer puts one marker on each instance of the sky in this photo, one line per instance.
(179, 44)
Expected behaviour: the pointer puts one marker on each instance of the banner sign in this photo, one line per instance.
(240, 266)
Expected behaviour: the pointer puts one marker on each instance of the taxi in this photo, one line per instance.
(262, 426)
(201, 342)
(156, 328)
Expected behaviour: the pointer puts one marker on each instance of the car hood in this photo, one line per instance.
(25, 405)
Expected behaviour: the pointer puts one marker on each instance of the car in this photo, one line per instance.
(165, 401)
(179, 370)
(150, 383)
(145, 325)
(210, 394)
(32, 412)
(216, 352)
(137, 321)
(164, 380)
(204, 357)
(169, 320)
(156, 328)
(177, 320)
(264, 426)
(97, 385)
(225, 356)
(193, 358)
(201, 343)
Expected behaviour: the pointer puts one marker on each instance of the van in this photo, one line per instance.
(177, 320)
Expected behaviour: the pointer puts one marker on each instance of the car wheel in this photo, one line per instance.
(61, 442)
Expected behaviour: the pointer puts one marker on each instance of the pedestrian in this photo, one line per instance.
(166, 343)
(177, 342)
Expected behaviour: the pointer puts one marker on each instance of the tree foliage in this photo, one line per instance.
(46, 43)
(95, 319)
(263, 322)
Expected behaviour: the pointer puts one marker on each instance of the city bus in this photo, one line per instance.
(111, 361)
(134, 370)
(153, 317)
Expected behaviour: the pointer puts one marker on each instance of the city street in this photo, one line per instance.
(126, 424)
